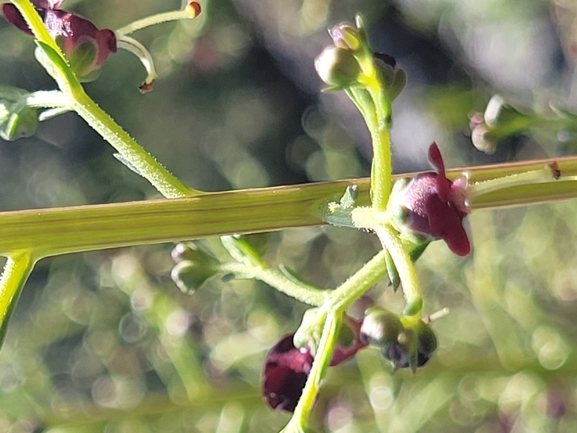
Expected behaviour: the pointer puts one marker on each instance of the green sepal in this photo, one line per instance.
(394, 279)
(17, 119)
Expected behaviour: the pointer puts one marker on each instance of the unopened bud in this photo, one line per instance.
(17, 119)
(380, 328)
(193, 267)
(346, 36)
(337, 67)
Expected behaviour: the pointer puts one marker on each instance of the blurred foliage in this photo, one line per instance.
(105, 342)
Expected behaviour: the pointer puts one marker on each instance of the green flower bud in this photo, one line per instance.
(337, 67)
(403, 341)
(380, 328)
(17, 119)
(346, 36)
(193, 267)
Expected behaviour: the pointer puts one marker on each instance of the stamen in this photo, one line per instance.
(142, 53)
(436, 315)
(191, 10)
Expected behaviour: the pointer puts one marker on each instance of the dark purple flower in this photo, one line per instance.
(433, 207)
(287, 367)
(84, 45)
(285, 374)
(348, 343)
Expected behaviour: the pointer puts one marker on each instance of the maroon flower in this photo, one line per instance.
(431, 207)
(285, 374)
(287, 367)
(84, 45)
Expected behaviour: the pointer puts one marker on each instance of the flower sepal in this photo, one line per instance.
(193, 267)
(17, 118)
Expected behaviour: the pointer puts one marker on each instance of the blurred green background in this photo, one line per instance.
(105, 342)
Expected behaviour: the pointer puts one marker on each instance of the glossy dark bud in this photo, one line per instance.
(427, 343)
(17, 119)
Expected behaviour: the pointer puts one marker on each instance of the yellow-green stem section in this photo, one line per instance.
(85, 228)
(405, 267)
(132, 153)
(320, 364)
(144, 163)
(92, 227)
(16, 272)
(382, 171)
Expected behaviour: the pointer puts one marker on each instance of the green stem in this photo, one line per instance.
(250, 265)
(93, 227)
(16, 271)
(303, 293)
(382, 169)
(405, 267)
(304, 407)
(36, 25)
(144, 163)
(130, 151)
(358, 283)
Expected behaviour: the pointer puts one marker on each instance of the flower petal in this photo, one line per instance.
(13, 16)
(447, 223)
(285, 374)
(443, 184)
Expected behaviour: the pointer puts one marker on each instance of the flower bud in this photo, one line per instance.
(337, 67)
(17, 119)
(406, 345)
(346, 36)
(193, 267)
(380, 328)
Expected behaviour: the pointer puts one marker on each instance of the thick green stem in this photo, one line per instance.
(84, 228)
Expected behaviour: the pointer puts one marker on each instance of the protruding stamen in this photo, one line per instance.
(191, 10)
(436, 315)
(142, 53)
